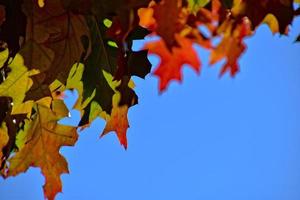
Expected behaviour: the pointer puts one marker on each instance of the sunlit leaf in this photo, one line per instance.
(50, 46)
(171, 62)
(18, 81)
(3, 139)
(42, 139)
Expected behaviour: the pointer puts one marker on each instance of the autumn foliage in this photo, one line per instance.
(50, 46)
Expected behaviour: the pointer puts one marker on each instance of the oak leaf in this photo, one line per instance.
(167, 17)
(19, 79)
(171, 62)
(39, 147)
(117, 122)
(50, 46)
(256, 11)
(231, 46)
(53, 43)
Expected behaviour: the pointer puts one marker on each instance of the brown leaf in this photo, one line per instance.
(53, 43)
(166, 15)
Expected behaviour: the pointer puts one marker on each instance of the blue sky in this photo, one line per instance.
(205, 139)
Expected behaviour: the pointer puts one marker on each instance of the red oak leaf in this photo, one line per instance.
(172, 61)
(118, 123)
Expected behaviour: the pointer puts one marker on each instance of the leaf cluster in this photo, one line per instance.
(50, 46)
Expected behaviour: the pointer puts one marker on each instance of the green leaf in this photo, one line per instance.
(100, 59)
(54, 42)
(194, 5)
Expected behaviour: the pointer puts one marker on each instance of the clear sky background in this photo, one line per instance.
(205, 139)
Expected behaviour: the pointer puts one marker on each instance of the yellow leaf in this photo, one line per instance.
(23, 108)
(74, 81)
(18, 81)
(59, 108)
(272, 22)
(42, 139)
(195, 5)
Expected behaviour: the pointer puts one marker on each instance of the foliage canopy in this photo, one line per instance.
(49, 46)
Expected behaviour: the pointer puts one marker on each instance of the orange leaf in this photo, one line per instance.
(172, 62)
(42, 141)
(168, 20)
(118, 122)
(146, 18)
(231, 46)
(3, 139)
